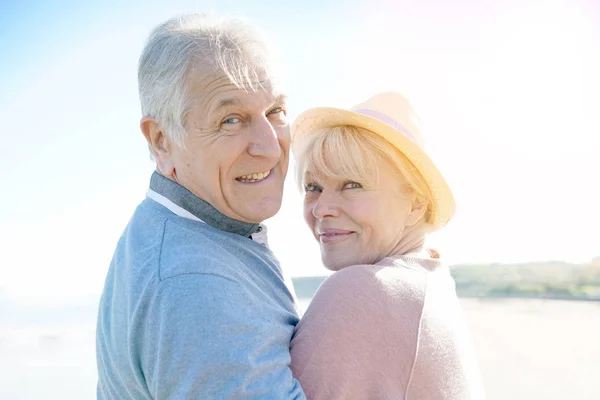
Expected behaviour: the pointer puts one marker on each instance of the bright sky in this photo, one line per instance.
(508, 93)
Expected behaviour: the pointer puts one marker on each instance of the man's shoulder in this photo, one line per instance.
(190, 247)
(179, 245)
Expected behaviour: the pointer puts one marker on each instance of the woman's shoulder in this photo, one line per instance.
(400, 279)
(385, 283)
(374, 301)
(360, 275)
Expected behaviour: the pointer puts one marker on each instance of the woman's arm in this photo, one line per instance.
(358, 338)
(386, 333)
(446, 366)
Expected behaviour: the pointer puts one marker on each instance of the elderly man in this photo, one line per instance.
(194, 304)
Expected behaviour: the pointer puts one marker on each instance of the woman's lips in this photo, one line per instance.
(330, 236)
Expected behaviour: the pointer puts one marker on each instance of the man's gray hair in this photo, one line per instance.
(191, 42)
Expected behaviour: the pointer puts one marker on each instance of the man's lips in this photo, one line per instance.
(254, 177)
(331, 235)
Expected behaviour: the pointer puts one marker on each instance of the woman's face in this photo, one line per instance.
(357, 222)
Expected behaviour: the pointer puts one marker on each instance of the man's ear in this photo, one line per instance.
(159, 145)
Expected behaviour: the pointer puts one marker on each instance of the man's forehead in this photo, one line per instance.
(205, 81)
(238, 100)
(219, 90)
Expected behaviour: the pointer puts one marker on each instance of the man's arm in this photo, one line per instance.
(206, 339)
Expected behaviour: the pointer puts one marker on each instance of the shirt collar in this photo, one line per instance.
(198, 207)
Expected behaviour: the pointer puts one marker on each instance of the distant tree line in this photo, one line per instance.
(544, 280)
(550, 279)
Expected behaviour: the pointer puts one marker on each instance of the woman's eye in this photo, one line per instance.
(352, 185)
(309, 187)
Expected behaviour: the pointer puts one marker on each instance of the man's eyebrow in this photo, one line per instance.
(280, 99)
(231, 102)
(228, 103)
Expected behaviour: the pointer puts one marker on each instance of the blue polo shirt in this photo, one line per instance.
(193, 308)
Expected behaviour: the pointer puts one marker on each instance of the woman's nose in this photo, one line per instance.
(326, 206)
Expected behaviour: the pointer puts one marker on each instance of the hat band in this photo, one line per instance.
(387, 120)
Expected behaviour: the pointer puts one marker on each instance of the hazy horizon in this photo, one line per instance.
(507, 93)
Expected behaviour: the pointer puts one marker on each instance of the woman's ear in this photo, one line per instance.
(417, 212)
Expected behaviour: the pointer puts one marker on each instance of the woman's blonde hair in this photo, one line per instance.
(349, 152)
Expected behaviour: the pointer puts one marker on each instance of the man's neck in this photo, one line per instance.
(198, 207)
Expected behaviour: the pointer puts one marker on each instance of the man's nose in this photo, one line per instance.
(265, 140)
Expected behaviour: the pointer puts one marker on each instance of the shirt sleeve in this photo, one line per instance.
(204, 341)
(355, 341)
(446, 366)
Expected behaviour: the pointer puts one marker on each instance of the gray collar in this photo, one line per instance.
(198, 207)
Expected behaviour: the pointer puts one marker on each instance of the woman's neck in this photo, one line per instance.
(412, 240)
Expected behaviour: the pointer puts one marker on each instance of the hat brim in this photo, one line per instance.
(444, 205)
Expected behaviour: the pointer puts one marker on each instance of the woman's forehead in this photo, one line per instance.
(338, 173)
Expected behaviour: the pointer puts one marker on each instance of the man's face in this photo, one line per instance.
(236, 153)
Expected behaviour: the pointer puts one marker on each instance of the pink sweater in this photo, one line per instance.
(393, 330)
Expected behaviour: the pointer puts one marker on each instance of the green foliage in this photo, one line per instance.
(550, 279)
(546, 280)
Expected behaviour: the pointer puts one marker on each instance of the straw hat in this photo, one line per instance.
(390, 116)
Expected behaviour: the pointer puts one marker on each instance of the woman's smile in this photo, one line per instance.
(331, 236)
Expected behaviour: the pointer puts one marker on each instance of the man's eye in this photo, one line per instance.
(231, 121)
(278, 111)
(309, 187)
(352, 185)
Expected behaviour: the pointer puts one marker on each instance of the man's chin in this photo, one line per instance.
(262, 211)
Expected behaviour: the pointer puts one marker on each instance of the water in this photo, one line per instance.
(537, 349)
(528, 349)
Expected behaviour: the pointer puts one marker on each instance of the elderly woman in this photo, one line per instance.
(387, 324)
